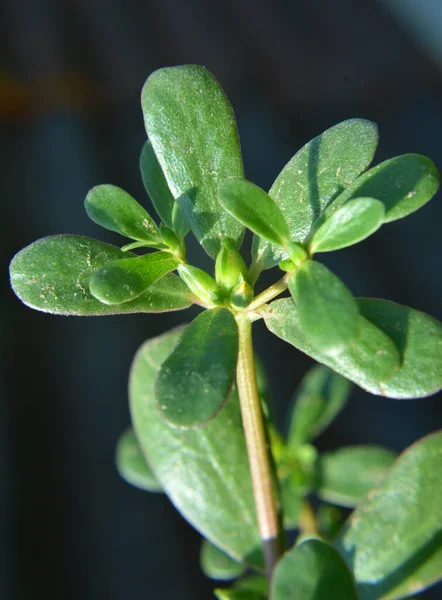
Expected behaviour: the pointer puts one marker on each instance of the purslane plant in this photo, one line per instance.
(202, 425)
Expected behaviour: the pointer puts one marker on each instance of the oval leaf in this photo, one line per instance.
(314, 176)
(417, 337)
(216, 564)
(126, 279)
(196, 379)
(345, 476)
(132, 465)
(403, 184)
(311, 571)
(212, 459)
(114, 209)
(319, 398)
(159, 192)
(393, 541)
(192, 128)
(54, 273)
(253, 587)
(327, 311)
(352, 223)
(252, 207)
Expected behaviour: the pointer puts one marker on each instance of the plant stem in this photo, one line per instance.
(257, 449)
(268, 294)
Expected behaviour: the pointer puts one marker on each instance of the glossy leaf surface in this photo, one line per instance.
(352, 223)
(345, 476)
(319, 398)
(323, 168)
(204, 471)
(216, 564)
(114, 209)
(126, 279)
(192, 128)
(327, 311)
(199, 282)
(54, 273)
(252, 207)
(159, 192)
(417, 337)
(196, 379)
(132, 465)
(403, 184)
(393, 540)
(312, 570)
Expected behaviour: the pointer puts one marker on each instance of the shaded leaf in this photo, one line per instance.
(116, 210)
(312, 570)
(345, 476)
(53, 275)
(416, 336)
(132, 465)
(393, 540)
(216, 564)
(327, 311)
(124, 280)
(253, 587)
(159, 192)
(403, 184)
(196, 379)
(350, 224)
(252, 207)
(192, 128)
(314, 176)
(319, 398)
(211, 460)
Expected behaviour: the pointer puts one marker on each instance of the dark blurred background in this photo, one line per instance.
(70, 80)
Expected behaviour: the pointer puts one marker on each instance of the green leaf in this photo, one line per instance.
(159, 192)
(403, 184)
(417, 337)
(393, 540)
(318, 400)
(314, 176)
(126, 279)
(196, 379)
(114, 209)
(313, 570)
(200, 283)
(327, 311)
(230, 268)
(192, 128)
(132, 465)
(252, 207)
(253, 587)
(216, 564)
(345, 476)
(350, 224)
(54, 273)
(292, 500)
(211, 460)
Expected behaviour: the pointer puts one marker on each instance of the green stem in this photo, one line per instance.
(257, 448)
(268, 294)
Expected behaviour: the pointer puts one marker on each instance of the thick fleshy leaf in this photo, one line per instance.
(353, 222)
(327, 311)
(253, 587)
(345, 476)
(403, 184)
(252, 207)
(196, 379)
(159, 192)
(393, 540)
(320, 397)
(132, 465)
(114, 209)
(204, 471)
(216, 564)
(53, 275)
(126, 279)
(192, 128)
(314, 176)
(200, 283)
(416, 336)
(312, 570)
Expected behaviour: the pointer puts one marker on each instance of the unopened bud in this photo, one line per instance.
(241, 296)
(200, 283)
(230, 268)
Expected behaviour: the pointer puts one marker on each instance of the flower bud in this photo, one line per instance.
(230, 268)
(241, 295)
(200, 283)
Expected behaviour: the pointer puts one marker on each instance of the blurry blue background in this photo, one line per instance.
(70, 79)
